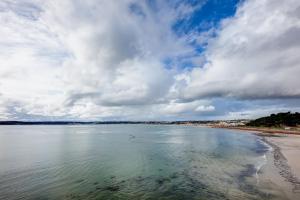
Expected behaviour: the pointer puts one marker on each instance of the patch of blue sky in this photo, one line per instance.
(209, 15)
(224, 106)
(230, 105)
(179, 63)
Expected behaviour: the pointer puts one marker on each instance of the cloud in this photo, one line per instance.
(86, 59)
(100, 59)
(199, 106)
(253, 56)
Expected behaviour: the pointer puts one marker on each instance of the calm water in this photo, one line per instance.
(128, 162)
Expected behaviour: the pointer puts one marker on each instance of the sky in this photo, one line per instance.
(148, 59)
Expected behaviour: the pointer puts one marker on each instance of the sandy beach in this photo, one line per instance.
(264, 130)
(282, 170)
(280, 175)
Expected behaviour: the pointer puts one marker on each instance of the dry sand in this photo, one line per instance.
(290, 148)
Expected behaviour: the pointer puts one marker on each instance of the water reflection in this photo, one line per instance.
(127, 162)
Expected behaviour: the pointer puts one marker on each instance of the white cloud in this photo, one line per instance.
(100, 59)
(187, 107)
(85, 59)
(255, 54)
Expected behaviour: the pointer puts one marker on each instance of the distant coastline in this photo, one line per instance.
(228, 124)
(208, 123)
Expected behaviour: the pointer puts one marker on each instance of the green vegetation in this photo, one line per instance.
(277, 120)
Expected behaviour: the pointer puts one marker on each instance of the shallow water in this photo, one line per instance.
(128, 162)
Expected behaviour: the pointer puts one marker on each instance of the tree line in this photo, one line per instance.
(277, 120)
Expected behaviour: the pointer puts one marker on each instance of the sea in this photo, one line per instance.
(127, 161)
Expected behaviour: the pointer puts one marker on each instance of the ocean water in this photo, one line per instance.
(129, 162)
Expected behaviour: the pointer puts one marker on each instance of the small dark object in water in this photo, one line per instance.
(96, 183)
(112, 177)
(112, 188)
(139, 178)
(131, 136)
(161, 181)
(174, 175)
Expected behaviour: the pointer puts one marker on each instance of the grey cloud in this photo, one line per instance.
(87, 59)
(24, 9)
(255, 55)
(103, 60)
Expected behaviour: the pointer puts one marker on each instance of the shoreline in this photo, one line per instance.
(280, 175)
(281, 162)
(282, 169)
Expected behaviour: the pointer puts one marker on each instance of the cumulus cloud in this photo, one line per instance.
(254, 55)
(100, 59)
(86, 59)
